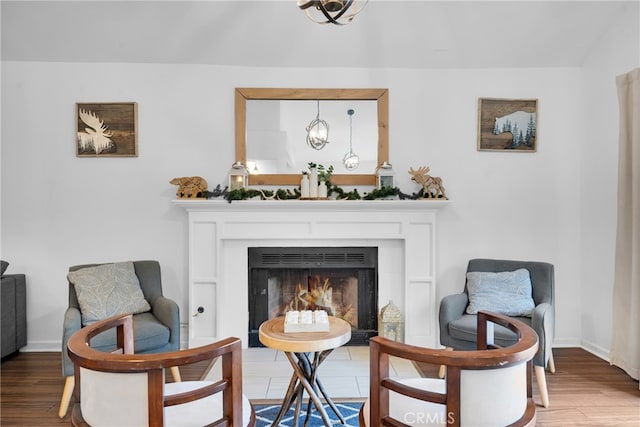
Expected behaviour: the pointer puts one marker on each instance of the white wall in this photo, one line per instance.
(617, 53)
(59, 210)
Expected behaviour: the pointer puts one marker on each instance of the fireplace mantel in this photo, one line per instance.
(220, 234)
(311, 205)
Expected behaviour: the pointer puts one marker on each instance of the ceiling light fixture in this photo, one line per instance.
(317, 132)
(338, 12)
(351, 160)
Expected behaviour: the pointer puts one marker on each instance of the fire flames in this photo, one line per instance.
(318, 295)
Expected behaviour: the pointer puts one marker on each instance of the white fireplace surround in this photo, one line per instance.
(220, 234)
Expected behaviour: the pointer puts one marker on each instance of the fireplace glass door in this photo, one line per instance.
(341, 281)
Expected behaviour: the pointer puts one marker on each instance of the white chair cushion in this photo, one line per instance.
(104, 391)
(492, 397)
(101, 392)
(415, 412)
(200, 412)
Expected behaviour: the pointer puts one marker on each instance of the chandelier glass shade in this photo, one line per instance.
(351, 160)
(317, 132)
(338, 12)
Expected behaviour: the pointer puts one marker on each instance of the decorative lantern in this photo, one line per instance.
(318, 132)
(390, 323)
(351, 160)
(385, 176)
(238, 176)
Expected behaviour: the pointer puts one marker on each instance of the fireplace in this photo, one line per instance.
(343, 281)
(220, 234)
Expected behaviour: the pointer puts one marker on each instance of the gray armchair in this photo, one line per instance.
(156, 331)
(458, 329)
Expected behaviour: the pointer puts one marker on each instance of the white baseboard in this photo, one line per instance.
(601, 352)
(42, 346)
(566, 342)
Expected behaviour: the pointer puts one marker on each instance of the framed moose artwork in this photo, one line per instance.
(507, 124)
(107, 129)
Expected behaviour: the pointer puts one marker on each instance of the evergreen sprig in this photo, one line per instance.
(340, 193)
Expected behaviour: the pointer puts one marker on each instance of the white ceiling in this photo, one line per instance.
(388, 33)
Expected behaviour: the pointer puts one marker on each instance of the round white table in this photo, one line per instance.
(298, 346)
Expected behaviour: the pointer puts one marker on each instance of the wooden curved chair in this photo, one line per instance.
(126, 389)
(489, 386)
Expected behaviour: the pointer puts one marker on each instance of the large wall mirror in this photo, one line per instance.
(271, 132)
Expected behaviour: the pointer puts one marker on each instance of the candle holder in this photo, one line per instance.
(238, 176)
(385, 176)
(391, 323)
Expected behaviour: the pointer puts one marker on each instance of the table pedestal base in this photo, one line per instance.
(305, 378)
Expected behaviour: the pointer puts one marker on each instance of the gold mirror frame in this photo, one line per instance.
(244, 94)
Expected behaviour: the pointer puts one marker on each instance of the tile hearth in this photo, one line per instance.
(345, 373)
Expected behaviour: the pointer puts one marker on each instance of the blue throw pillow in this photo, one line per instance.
(107, 290)
(507, 292)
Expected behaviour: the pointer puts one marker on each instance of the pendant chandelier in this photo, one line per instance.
(351, 160)
(317, 132)
(338, 12)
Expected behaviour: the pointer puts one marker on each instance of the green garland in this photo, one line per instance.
(249, 193)
(287, 194)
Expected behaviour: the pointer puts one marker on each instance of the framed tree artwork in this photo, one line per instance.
(507, 124)
(107, 129)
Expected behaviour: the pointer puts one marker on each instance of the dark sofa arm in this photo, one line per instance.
(167, 311)
(543, 321)
(452, 307)
(14, 313)
(72, 324)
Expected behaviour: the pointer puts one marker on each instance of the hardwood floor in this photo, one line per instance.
(584, 391)
(587, 391)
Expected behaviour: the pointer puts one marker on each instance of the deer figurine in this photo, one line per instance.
(431, 185)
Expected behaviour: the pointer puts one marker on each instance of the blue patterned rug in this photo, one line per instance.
(265, 414)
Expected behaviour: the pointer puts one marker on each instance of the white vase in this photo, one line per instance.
(322, 190)
(313, 183)
(304, 187)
